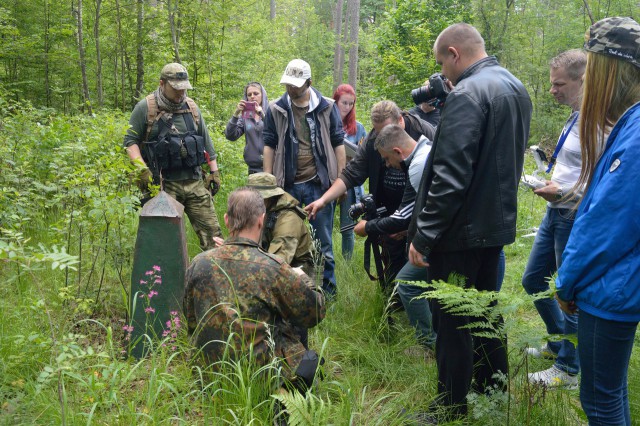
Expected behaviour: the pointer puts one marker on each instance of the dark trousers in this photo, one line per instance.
(461, 357)
(394, 257)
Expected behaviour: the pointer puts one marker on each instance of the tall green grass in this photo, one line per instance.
(68, 229)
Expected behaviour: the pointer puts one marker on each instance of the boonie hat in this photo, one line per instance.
(617, 37)
(296, 73)
(176, 75)
(265, 184)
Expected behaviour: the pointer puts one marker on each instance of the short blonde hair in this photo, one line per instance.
(385, 110)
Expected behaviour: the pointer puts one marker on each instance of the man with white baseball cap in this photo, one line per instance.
(303, 149)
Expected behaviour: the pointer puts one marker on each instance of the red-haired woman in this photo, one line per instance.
(345, 98)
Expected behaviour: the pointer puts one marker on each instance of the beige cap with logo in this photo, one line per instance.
(176, 75)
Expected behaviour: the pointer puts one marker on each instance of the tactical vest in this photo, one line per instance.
(173, 151)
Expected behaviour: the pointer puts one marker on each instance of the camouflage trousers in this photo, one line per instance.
(198, 205)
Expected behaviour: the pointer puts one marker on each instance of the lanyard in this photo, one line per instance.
(563, 137)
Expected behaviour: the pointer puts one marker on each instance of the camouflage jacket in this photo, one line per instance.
(286, 234)
(237, 296)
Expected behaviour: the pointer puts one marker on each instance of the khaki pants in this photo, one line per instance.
(198, 205)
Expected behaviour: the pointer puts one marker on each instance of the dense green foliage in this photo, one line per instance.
(68, 226)
(68, 212)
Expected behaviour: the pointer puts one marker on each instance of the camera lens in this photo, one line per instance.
(421, 94)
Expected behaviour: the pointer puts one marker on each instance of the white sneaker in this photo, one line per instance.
(554, 378)
(542, 352)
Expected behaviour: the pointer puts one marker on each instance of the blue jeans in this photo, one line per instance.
(605, 348)
(322, 225)
(348, 239)
(417, 309)
(544, 261)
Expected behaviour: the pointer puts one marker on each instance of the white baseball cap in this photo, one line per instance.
(296, 73)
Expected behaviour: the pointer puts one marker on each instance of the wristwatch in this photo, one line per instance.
(560, 193)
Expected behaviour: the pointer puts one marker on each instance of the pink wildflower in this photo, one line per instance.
(152, 293)
(128, 328)
(149, 310)
(156, 268)
(143, 282)
(149, 273)
(174, 313)
(158, 280)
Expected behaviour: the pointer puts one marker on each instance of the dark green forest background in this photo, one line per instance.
(71, 72)
(83, 56)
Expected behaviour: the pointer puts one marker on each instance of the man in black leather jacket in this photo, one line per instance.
(466, 206)
(385, 184)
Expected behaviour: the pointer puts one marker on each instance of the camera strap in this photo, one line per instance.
(369, 243)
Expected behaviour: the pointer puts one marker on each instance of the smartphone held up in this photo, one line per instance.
(249, 110)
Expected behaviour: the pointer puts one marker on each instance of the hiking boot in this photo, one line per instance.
(542, 352)
(554, 378)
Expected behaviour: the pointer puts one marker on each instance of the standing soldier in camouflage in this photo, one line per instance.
(239, 294)
(285, 232)
(168, 142)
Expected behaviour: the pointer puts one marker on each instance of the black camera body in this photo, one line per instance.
(366, 207)
(435, 94)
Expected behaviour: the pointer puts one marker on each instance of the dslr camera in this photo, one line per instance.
(434, 94)
(366, 207)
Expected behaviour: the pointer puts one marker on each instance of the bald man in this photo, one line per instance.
(466, 206)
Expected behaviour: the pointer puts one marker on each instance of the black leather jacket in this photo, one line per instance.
(468, 194)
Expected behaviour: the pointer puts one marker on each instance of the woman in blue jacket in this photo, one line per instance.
(600, 272)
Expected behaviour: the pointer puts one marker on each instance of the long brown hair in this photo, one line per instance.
(611, 86)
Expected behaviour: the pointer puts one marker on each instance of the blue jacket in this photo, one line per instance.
(601, 263)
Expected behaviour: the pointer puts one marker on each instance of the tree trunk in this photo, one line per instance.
(338, 57)
(173, 10)
(354, 18)
(83, 65)
(345, 40)
(272, 10)
(96, 36)
(139, 55)
(119, 58)
(47, 46)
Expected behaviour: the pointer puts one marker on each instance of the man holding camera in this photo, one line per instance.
(385, 183)
(304, 150)
(466, 207)
(400, 151)
(566, 75)
(168, 141)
